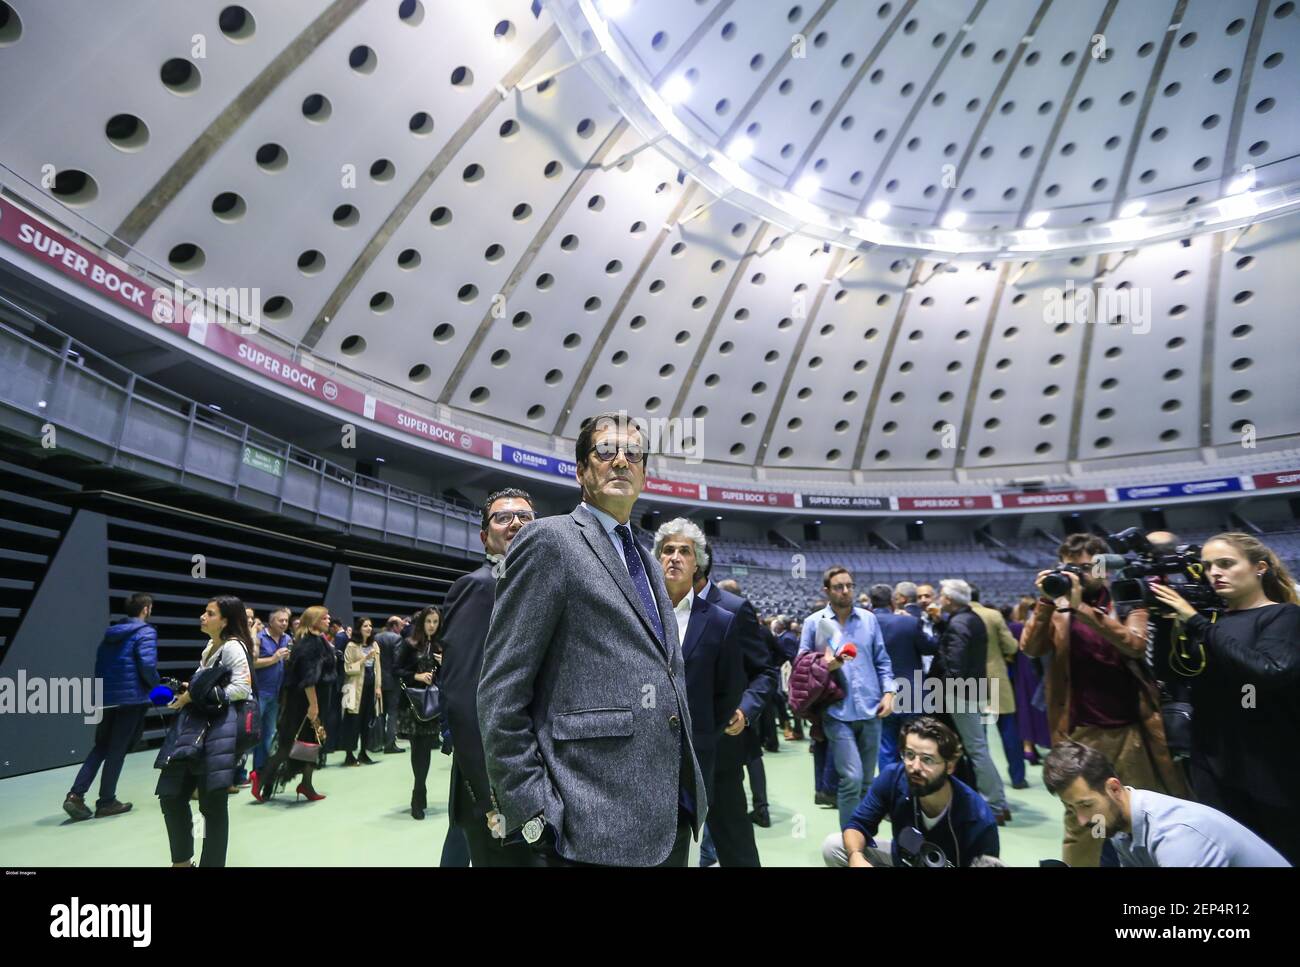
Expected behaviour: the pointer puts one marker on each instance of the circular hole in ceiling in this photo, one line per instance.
(316, 108)
(421, 123)
(440, 216)
(363, 59)
(186, 257)
(444, 332)
(272, 157)
(408, 259)
(480, 395)
(353, 346)
(180, 76)
(229, 207)
(277, 307)
(345, 216)
(311, 262)
(126, 132)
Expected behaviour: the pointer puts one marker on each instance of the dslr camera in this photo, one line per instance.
(1139, 564)
(1056, 583)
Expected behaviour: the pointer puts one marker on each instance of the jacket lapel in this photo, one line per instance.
(600, 543)
(695, 627)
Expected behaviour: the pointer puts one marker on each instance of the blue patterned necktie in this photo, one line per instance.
(639, 580)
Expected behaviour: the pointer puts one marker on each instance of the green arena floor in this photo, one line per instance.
(365, 821)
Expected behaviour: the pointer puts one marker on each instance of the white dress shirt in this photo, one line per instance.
(683, 614)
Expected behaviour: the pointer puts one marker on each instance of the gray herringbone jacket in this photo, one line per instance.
(582, 712)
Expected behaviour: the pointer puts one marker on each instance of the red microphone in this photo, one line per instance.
(850, 650)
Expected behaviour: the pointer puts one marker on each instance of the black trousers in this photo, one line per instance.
(677, 858)
(1274, 825)
(484, 848)
(116, 732)
(355, 727)
(757, 780)
(729, 823)
(421, 755)
(392, 696)
(213, 806)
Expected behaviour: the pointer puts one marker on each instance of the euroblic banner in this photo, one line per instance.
(673, 488)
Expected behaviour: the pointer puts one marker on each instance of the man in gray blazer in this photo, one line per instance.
(582, 698)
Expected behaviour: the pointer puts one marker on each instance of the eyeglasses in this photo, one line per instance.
(928, 761)
(503, 518)
(607, 452)
(842, 587)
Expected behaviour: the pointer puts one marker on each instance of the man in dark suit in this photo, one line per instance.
(906, 643)
(582, 698)
(715, 671)
(388, 640)
(730, 828)
(467, 613)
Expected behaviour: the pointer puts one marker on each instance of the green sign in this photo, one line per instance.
(263, 460)
(739, 572)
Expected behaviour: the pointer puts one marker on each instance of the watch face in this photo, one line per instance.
(533, 830)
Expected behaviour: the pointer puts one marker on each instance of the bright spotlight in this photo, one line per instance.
(676, 89)
(613, 9)
(878, 210)
(740, 148)
(1133, 209)
(807, 186)
(1037, 219)
(953, 219)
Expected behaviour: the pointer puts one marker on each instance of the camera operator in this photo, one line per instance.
(1147, 828)
(1097, 693)
(922, 800)
(1246, 719)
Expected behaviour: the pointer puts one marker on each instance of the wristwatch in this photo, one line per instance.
(533, 830)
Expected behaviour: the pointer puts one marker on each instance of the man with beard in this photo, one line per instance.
(920, 793)
(1148, 828)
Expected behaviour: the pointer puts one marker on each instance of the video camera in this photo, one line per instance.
(1139, 564)
(915, 851)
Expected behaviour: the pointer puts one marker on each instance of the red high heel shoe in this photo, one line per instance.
(311, 794)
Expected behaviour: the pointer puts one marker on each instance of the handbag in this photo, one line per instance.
(426, 703)
(303, 750)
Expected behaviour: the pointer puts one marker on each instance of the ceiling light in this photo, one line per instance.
(878, 209)
(953, 219)
(676, 89)
(1241, 183)
(1037, 219)
(613, 9)
(807, 186)
(1133, 209)
(740, 148)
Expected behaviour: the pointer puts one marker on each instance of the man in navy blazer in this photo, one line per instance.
(715, 671)
(730, 827)
(906, 643)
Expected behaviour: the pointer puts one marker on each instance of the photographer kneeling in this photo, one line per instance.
(1147, 828)
(1245, 702)
(937, 820)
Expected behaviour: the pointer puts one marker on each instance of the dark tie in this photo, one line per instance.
(637, 572)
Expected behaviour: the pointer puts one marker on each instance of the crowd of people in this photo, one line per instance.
(603, 702)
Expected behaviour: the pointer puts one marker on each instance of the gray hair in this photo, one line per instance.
(956, 590)
(907, 589)
(689, 529)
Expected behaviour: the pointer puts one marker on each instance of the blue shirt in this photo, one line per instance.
(609, 523)
(867, 677)
(1174, 832)
(270, 678)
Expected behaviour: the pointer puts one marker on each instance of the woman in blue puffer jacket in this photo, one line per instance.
(199, 751)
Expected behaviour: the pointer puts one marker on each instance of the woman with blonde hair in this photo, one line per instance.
(300, 707)
(1245, 672)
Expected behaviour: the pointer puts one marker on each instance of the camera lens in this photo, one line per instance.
(1056, 584)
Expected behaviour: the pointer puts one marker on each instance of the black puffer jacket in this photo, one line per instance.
(201, 738)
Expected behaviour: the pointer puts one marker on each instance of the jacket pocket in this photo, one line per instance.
(592, 723)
